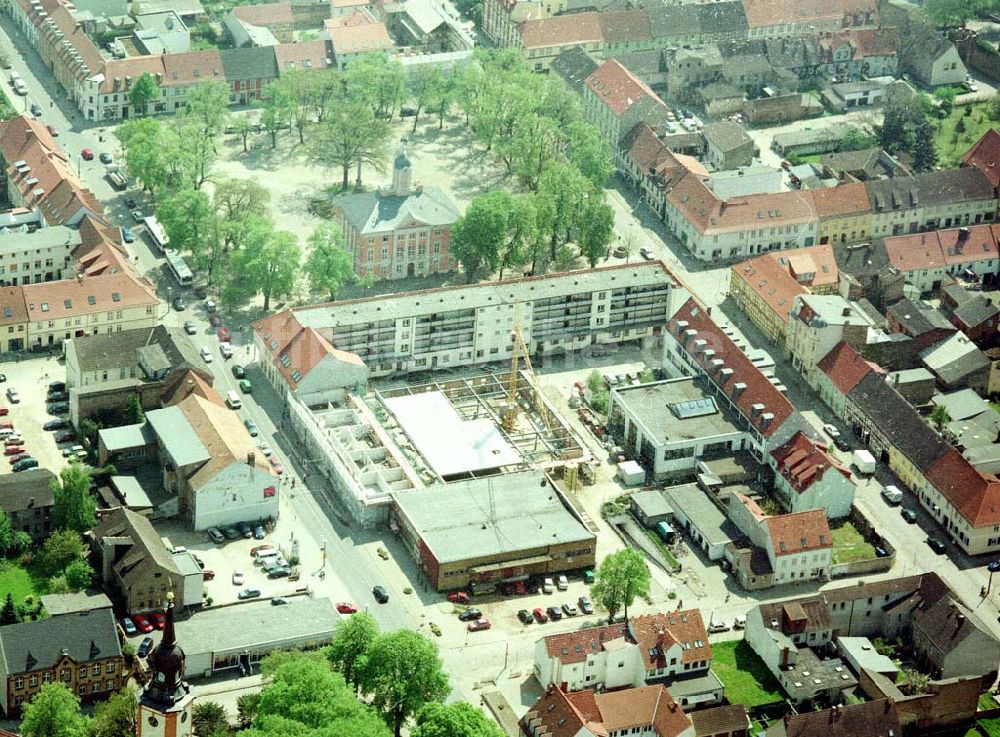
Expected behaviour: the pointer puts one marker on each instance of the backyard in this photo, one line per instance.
(746, 678)
(957, 132)
(848, 544)
(16, 581)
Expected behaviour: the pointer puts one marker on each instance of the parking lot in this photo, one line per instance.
(29, 378)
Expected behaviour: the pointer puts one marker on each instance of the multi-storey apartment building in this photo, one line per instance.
(466, 325)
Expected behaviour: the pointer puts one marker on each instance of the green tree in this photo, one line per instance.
(209, 719)
(329, 265)
(79, 575)
(142, 148)
(338, 143)
(621, 577)
(924, 151)
(277, 107)
(6, 533)
(268, 262)
(238, 203)
(371, 148)
(116, 717)
(595, 229)
(351, 640)
(74, 507)
(143, 92)
(242, 127)
(940, 417)
(53, 712)
(190, 223)
(459, 719)
(562, 190)
(478, 236)
(304, 698)
(20, 542)
(208, 107)
(298, 86)
(587, 150)
(856, 140)
(537, 140)
(59, 550)
(378, 82)
(951, 13)
(8, 615)
(401, 672)
(424, 90)
(442, 98)
(246, 708)
(328, 88)
(133, 414)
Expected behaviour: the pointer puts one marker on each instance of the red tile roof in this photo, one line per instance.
(985, 155)
(295, 350)
(802, 462)
(759, 389)
(844, 199)
(771, 281)
(845, 367)
(763, 13)
(940, 248)
(562, 30)
(359, 39)
(798, 532)
(975, 495)
(625, 26)
(560, 714)
(618, 88)
(302, 55)
(265, 14)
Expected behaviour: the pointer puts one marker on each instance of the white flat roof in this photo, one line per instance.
(450, 445)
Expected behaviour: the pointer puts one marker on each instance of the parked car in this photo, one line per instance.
(251, 427)
(56, 396)
(230, 533)
(24, 464)
(87, 155)
(190, 328)
(569, 610)
(257, 550)
(223, 333)
(842, 444)
(127, 235)
(346, 608)
(226, 351)
(479, 624)
(142, 624)
(159, 621)
(238, 371)
(237, 577)
(646, 253)
(258, 532)
(66, 437)
(909, 515)
(55, 425)
(937, 544)
(555, 613)
(144, 647)
(214, 320)
(58, 408)
(216, 536)
(137, 215)
(208, 574)
(276, 465)
(246, 387)
(244, 529)
(105, 158)
(585, 606)
(179, 304)
(14, 439)
(469, 614)
(525, 616)
(13, 450)
(547, 586)
(740, 622)
(562, 583)
(248, 594)
(458, 597)
(129, 626)
(209, 305)
(12, 396)
(265, 449)
(36, 109)
(52, 130)
(831, 430)
(279, 600)
(19, 457)
(206, 355)
(380, 594)
(540, 616)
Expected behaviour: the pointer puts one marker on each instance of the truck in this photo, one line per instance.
(116, 177)
(892, 494)
(864, 462)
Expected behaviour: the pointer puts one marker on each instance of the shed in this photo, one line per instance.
(630, 473)
(651, 507)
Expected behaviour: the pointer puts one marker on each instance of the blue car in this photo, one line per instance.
(127, 236)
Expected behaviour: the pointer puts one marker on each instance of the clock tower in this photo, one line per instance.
(166, 702)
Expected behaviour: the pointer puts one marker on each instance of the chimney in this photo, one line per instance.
(738, 388)
(31, 503)
(846, 312)
(688, 334)
(681, 326)
(709, 354)
(756, 408)
(724, 373)
(766, 419)
(963, 235)
(79, 278)
(190, 387)
(699, 346)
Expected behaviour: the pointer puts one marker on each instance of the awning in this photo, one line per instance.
(489, 567)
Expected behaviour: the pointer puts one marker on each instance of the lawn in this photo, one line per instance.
(986, 701)
(746, 678)
(848, 545)
(952, 145)
(671, 559)
(15, 580)
(988, 727)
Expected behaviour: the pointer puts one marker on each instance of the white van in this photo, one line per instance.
(264, 557)
(892, 494)
(233, 400)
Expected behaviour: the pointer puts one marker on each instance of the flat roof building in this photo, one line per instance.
(241, 635)
(484, 531)
(705, 522)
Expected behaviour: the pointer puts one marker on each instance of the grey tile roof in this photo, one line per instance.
(721, 17)
(917, 318)
(249, 62)
(668, 21)
(374, 212)
(976, 311)
(38, 645)
(930, 189)
(177, 436)
(574, 65)
(122, 350)
(954, 358)
(895, 418)
(147, 549)
(21, 491)
(726, 135)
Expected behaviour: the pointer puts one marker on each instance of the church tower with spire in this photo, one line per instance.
(166, 703)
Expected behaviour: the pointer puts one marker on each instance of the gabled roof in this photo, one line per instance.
(68, 298)
(798, 532)
(617, 88)
(844, 199)
(295, 350)
(938, 248)
(985, 155)
(747, 386)
(771, 281)
(222, 433)
(249, 63)
(146, 551)
(21, 491)
(265, 14)
(574, 65)
(764, 13)
(38, 645)
(947, 623)
(845, 367)
(359, 39)
(625, 26)
(975, 495)
(975, 311)
(869, 719)
(302, 55)
(916, 318)
(726, 135)
(562, 30)
(802, 462)
(559, 714)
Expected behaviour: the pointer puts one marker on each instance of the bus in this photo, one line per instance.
(156, 233)
(179, 268)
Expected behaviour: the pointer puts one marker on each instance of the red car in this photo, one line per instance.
(142, 624)
(207, 574)
(158, 620)
(540, 615)
(276, 465)
(52, 130)
(223, 335)
(66, 437)
(458, 597)
(7, 423)
(88, 155)
(20, 457)
(479, 624)
(4, 411)
(345, 608)
(13, 450)
(259, 548)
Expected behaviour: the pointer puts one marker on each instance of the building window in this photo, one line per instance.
(97, 670)
(19, 682)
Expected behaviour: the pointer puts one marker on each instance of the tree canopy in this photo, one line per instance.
(459, 719)
(74, 507)
(53, 712)
(621, 577)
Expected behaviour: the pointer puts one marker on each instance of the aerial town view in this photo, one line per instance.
(500, 368)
